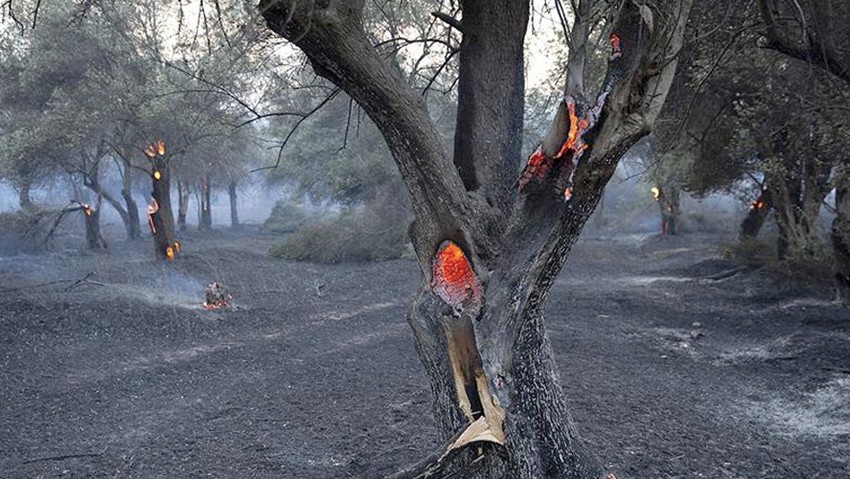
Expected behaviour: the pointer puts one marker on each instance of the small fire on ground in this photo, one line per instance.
(217, 297)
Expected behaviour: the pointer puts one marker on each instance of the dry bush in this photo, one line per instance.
(24, 231)
(356, 235)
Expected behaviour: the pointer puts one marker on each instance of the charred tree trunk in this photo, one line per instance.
(160, 214)
(756, 216)
(183, 194)
(205, 220)
(490, 251)
(234, 213)
(91, 215)
(840, 235)
(668, 204)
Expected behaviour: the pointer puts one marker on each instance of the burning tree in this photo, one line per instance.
(160, 216)
(490, 242)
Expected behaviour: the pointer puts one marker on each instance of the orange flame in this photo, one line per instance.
(87, 209)
(169, 252)
(160, 147)
(568, 193)
(577, 127)
(150, 151)
(157, 175)
(454, 281)
(757, 205)
(176, 246)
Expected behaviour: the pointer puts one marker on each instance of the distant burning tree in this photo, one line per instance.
(160, 216)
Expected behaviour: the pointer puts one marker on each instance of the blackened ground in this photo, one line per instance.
(313, 373)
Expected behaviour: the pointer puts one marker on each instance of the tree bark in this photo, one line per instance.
(668, 204)
(489, 253)
(234, 213)
(91, 215)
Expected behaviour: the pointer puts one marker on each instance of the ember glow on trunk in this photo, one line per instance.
(757, 205)
(656, 193)
(454, 281)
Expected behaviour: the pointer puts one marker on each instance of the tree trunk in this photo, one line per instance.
(756, 216)
(205, 220)
(24, 197)
(840, 235)
(160, 215)
(183, 193)
(234, 213)
(668, 204)
(798, 188)
(94, 238)
(132, 223)
(489, 251)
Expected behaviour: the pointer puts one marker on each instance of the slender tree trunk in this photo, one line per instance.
(840, 235)
(160, 213)
(205, 221)
(132, 223)
(183, 194)
(24, 197)
(234, 213)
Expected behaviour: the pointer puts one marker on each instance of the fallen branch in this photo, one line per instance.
(65, 456)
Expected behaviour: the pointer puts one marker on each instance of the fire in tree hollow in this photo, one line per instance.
(757, 204)
(539, 165)
(453, 279)
(216, 296)
(152, 209)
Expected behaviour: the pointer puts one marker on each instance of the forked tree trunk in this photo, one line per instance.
(490, 251)
(234, 213)
(160, 214)
(183, 194)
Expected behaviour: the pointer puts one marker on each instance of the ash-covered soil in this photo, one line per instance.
(313, 374)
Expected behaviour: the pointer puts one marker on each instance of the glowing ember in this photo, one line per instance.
(656, 192)
(568, 193)
(157, 175)
(160, 147)
(217, 296)
(453, 280)
(616, 52)
(169, 252)
(757, 205)
(177, 246)
(87, 209)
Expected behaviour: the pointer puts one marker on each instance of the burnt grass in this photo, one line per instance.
(313, 374)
